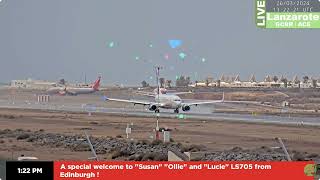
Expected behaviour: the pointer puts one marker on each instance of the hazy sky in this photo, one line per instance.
(52, 39)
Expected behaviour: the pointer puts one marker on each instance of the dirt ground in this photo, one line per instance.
(215, 135)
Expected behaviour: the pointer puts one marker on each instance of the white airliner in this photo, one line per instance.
(167, 101)
(75, 90)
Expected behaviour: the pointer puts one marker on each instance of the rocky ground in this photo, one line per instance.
(118, 148)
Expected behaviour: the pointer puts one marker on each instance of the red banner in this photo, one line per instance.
(182, 170)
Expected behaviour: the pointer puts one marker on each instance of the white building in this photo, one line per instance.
(32, 84)
(306, 85)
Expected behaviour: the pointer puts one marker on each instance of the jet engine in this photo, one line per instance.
(152, 107)
(185, 108)
(62, 93)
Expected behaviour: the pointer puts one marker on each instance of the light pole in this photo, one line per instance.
(157, 68)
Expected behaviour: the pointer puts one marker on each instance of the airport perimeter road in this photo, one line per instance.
(196, 113)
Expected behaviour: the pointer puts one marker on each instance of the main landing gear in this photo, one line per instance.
(157, 111)
(176, 111)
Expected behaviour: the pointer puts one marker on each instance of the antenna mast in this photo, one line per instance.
(157, 78)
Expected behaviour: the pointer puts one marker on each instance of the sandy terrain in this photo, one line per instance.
(215, 135)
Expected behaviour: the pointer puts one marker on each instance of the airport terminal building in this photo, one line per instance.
(33, 84)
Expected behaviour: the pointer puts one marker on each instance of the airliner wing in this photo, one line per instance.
(257, 103)
(127, 101)
(195, 103)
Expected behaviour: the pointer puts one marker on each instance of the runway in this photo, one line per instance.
(200, 113)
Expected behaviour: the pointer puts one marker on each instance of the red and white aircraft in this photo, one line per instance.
(75, 90)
